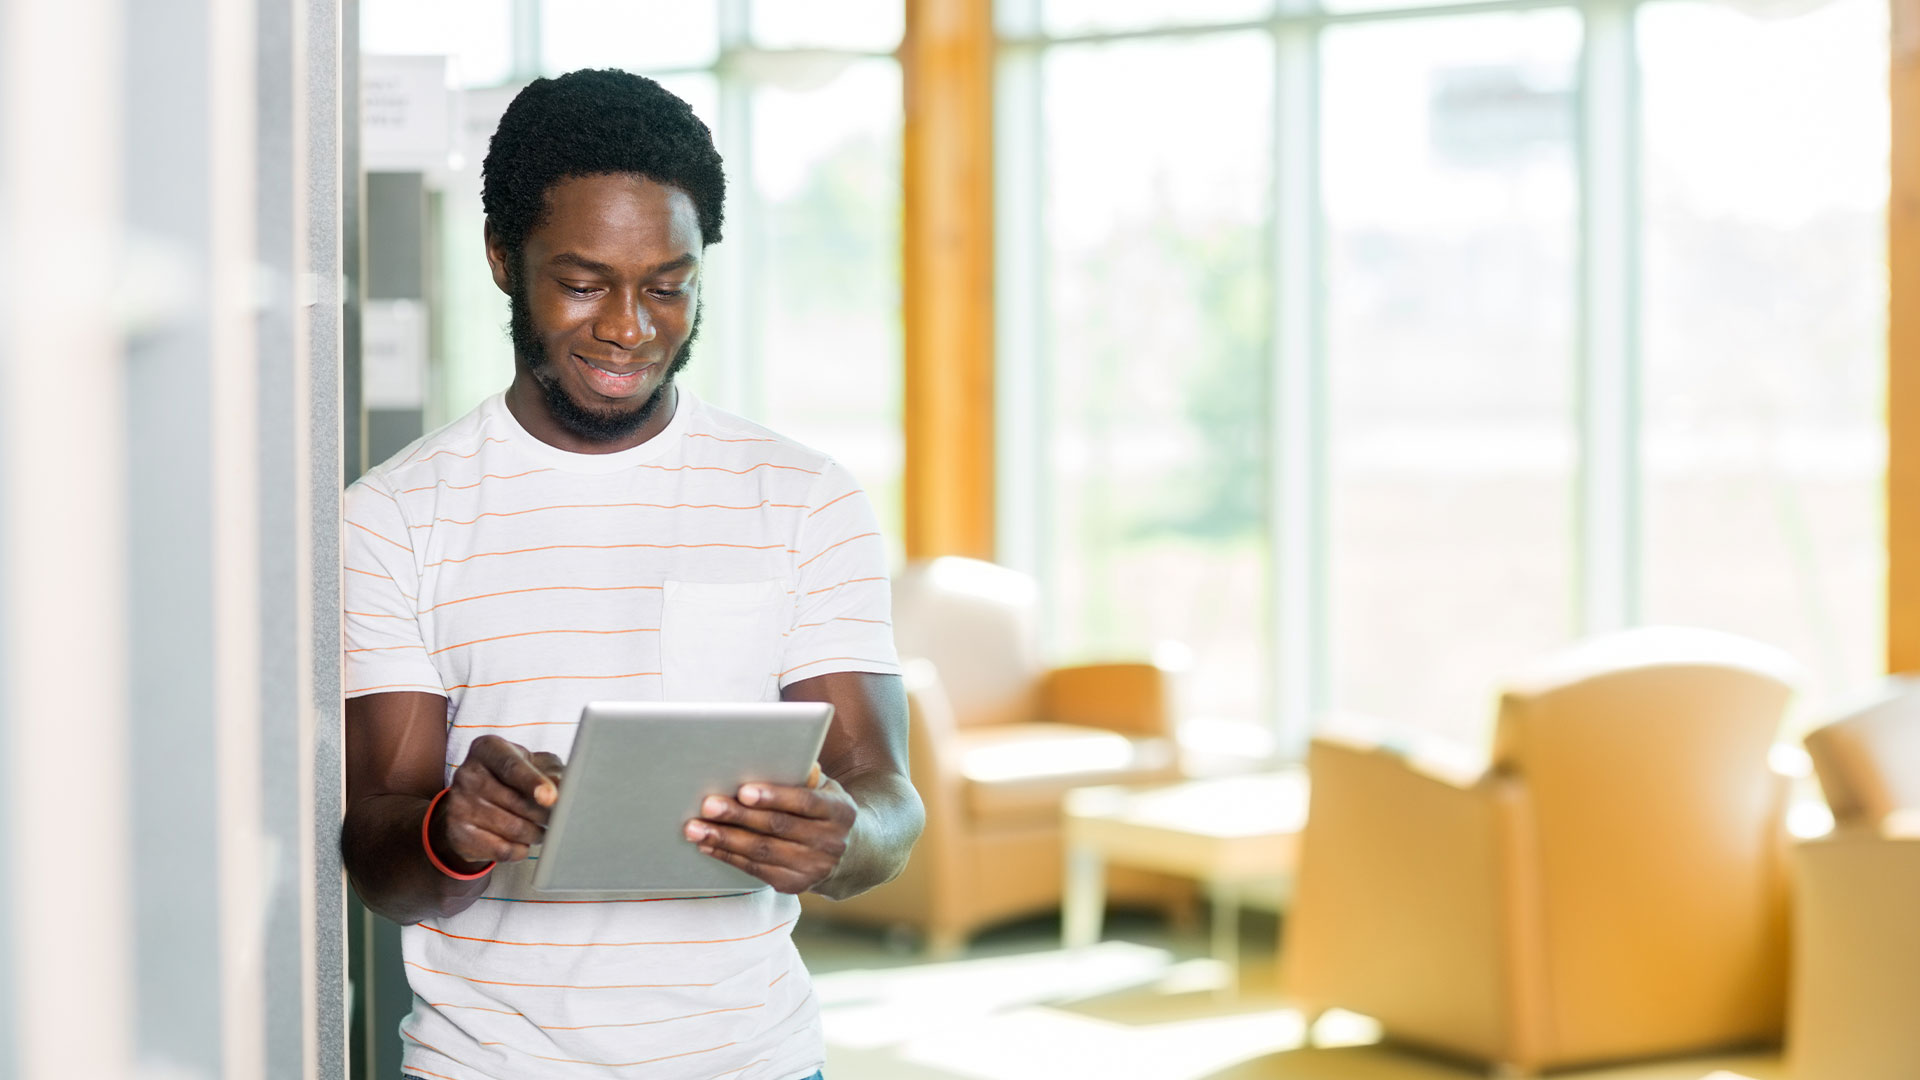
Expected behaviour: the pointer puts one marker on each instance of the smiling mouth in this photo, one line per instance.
(595, 365)
(610, 379)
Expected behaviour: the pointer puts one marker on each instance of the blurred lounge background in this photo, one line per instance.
(1340, 357)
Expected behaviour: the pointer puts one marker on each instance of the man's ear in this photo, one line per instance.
(497, 259)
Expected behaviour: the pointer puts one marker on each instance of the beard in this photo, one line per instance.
(598, 425)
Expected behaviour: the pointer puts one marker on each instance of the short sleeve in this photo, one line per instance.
(842, 610)
(380, 629)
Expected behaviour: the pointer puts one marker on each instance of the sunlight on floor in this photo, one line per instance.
(1146, 1009)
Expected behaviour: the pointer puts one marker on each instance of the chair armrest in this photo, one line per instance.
(1403, 889)
(1132, 698)
(933, 752)
(933, 760)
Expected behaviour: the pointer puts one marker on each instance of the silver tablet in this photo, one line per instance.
(637, 774)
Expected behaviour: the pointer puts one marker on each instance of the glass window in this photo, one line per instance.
(477, 35)
(1157, 287)
(856, 25)
(1451, 202)
(1088, 16)
(824, 320)
(618, 33)
(1343, 7)
(1764, 445)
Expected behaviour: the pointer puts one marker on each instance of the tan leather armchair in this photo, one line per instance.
(1855, 1011)
(997, 739)
(1609, 885)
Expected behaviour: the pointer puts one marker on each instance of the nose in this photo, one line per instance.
(625, 324)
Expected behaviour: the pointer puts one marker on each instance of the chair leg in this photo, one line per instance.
(1183, 908)
(945, 944)
(1309, 1017)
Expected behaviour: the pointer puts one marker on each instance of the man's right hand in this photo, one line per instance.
(496, 808)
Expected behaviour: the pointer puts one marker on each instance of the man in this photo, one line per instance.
(596, 532)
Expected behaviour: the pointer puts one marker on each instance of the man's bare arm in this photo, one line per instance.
(396, 748)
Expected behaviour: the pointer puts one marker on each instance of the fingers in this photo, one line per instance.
(787, 866)
(496, 808)
(517, 767)
(794, 813)
(550, 765)
(790, 837)
(506, 781)
(479, 831)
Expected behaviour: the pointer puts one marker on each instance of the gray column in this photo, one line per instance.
(287, 638)
(330, 40)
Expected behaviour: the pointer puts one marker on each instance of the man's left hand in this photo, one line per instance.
(792, 838)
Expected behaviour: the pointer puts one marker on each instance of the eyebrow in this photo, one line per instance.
(594, 266)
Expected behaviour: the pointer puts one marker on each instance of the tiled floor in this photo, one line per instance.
(1143, 1005)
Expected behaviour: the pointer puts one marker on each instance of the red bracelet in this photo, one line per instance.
(426, 841)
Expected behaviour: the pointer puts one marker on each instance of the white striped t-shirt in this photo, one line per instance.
(715, 562)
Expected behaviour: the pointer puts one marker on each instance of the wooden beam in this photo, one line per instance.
(947, 277)
(1903, 346)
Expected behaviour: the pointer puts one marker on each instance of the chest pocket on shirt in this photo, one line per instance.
(722, 642)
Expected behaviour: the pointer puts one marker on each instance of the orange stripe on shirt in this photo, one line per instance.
(382, 494)
(535, 633)
(842, 618)
(561, 986)
(543, 678)
(615, 1064)
(763, 504)
(449, 453)
(736, 472)
(591, 1027)
(475, 484)
(830, 502)
(435, 1049)
(629, 900)
(395, 686)
(842, 585)
(830, 547)
(426, 1072)
(741, 1069)
(602, 944)
(377, 536)
(831, 659)
(541, 588)
(602, 547)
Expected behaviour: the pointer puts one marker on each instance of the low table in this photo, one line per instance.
(1226, 833)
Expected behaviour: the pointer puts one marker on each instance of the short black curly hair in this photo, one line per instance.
(591, 123)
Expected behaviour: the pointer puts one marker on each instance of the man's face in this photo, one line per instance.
(605, 306)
